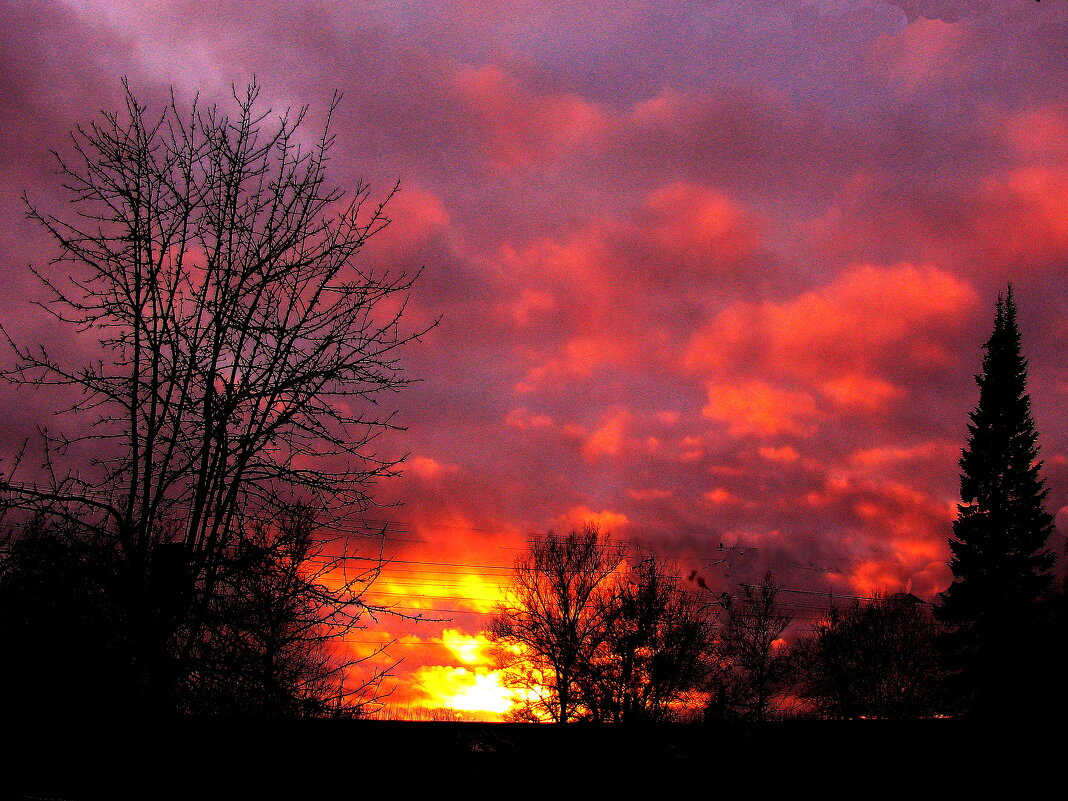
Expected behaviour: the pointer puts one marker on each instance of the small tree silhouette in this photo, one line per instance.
(656, 650)
(755, 667)
(555, 620)
(590, 635)
(878, 659)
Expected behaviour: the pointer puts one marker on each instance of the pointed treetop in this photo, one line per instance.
(1000, 558)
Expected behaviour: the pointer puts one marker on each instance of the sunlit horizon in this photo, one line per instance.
(715, 277)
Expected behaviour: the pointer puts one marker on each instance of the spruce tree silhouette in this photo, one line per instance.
(1000, 560)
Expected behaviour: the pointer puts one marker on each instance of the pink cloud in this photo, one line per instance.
(852, 346)
(852, 324)
(427, 468)
(700, 222)
(610, 436)
(1040, 133)
(416, 215)
(925, 52)
(609, 522)
(517, 127)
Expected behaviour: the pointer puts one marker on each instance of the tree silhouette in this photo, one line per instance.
(1000, 561)
(64, 632)
(589, 635)
(243, 352)
(878, 659)
(555, 620)
(656, 648)
(755, 663)
(276, 625)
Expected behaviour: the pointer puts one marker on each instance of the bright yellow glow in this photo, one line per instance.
(465, 689)
(469, 650)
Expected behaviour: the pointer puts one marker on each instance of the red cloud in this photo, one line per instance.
(610, 437)
(1021, 216)
(415, 216)
(697, 221)
(850, 342)
(754, 407)
(614, 523)
(1040, 133)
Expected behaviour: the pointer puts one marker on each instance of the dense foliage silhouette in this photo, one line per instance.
(878, 659)
(1000, 558)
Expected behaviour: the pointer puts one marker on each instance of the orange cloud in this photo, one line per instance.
(578, 359)
(691, 449)
(859, 391)
(609, 438)
(843, 343)
(532, 305)
(1008, 221)
(755, 407)
(784, 454)
(426, 468)
(1022, 214)
(845, 326)
(857, 319)
(870, 576)
(722, 497)
(522, 419)
(608, 521)
(1039, 134)
(880, 458)
(416, 213)
(416, 217)
(649, 494)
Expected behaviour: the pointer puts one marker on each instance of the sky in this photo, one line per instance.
(713, 275)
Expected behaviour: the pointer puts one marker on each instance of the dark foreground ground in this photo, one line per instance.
(936, 759)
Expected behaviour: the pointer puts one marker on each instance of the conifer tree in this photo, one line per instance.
(1000, 560)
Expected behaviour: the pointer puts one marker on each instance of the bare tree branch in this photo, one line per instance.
(244, 351)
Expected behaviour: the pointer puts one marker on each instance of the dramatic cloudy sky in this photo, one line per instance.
(709, 273)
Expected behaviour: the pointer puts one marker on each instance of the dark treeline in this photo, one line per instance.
(986, 648)
(831, 760)
(83, 633)
(575, 645)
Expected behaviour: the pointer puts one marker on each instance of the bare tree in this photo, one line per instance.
(754, 663)
(556, 619)
(589, 635)
(656, 648)
(243, 353)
